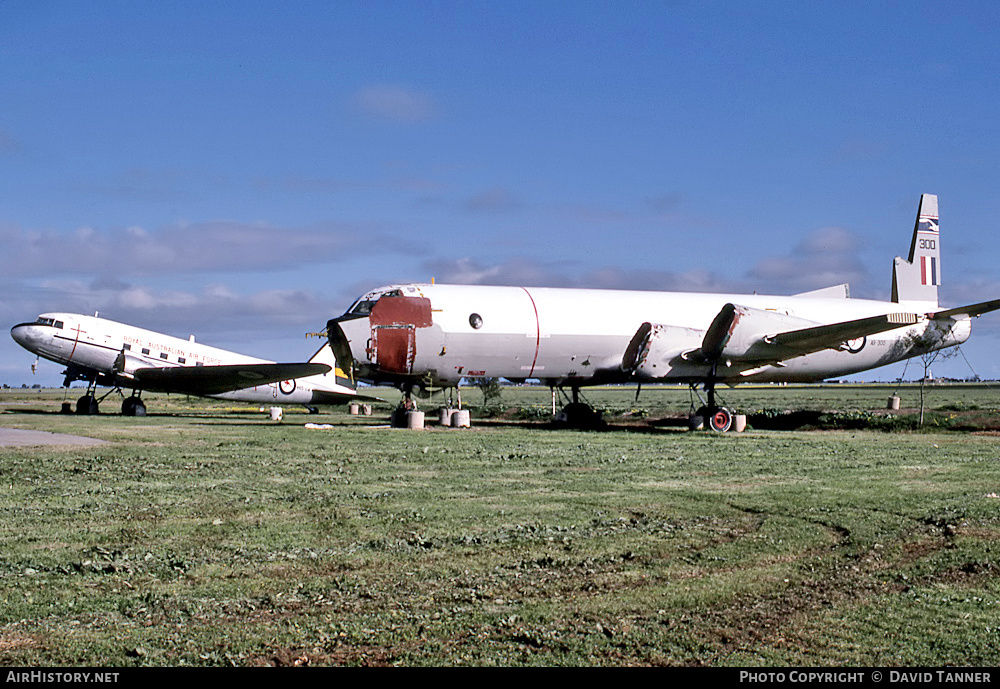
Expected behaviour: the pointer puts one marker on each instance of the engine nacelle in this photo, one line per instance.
(654, 347)
(738, 330)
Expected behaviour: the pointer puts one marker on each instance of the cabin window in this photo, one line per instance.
(199, 363)
(163, 355)
(181, 360)
(476, 321)
(145, 350)
(127, 347)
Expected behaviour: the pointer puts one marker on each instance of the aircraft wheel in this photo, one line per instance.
(398, 417)
(87, 405)
(133, 406)
(720, 420)
(580, 416)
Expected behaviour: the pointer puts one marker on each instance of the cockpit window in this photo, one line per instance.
(49, 321)
(363, 306)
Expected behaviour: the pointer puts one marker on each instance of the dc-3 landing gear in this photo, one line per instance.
(133, 406)
(88, 404)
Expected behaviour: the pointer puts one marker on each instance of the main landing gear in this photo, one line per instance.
(90, 405)
(710, 415)
(133, 406)
(577, 414)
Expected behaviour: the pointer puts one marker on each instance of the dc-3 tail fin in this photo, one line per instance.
(325, 355)
(918, 278)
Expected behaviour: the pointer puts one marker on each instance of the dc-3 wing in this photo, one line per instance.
(212, 380)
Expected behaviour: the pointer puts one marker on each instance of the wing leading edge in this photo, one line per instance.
(212, 380)
(970, 311)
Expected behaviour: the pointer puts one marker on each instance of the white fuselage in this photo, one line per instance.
(90, 343)
(445, 333)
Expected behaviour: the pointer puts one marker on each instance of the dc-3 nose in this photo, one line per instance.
(26, 335)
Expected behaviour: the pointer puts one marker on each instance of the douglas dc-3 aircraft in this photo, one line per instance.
(104, 352)
(419, 335)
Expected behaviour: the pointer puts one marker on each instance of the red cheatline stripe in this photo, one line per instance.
(538, 332)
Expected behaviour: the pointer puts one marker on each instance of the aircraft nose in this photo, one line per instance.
(26, 335)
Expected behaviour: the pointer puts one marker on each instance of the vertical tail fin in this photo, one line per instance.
(325, 355)
(918, 278)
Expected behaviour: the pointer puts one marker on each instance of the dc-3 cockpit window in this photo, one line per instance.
(49, 321)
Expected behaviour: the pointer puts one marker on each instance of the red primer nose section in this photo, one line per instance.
(394, 322)
(403, 311)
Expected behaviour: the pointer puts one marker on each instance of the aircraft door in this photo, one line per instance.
(394, 322)
(393, 348)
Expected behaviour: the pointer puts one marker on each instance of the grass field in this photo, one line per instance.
(206, 534)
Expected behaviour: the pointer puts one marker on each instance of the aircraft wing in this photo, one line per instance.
(748, 337)
(741, 333)
(212, 380)
(970, 311)
(833, 336)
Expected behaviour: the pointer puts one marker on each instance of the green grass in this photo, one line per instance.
(204, 534)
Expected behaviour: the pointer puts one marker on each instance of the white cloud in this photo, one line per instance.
(528, 272)
(492, 201)
(189, 248)
(828, 256)
(395, 103)
(214, 308)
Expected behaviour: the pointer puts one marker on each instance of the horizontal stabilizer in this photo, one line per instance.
(836, 292)
(212, 380)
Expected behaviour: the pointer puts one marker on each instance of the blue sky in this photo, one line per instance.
(243, 170)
